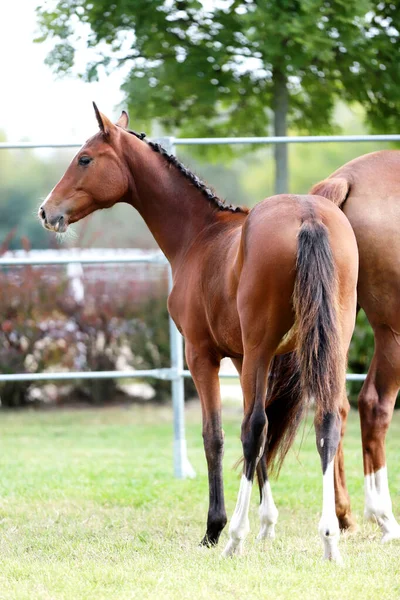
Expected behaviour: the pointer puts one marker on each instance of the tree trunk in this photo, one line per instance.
(280, 106)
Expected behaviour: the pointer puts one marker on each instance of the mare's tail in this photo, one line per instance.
(336, 189)
(315, 370)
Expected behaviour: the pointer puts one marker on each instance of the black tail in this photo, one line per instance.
(316, 368)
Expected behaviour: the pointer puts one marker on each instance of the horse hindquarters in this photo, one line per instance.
(288, 299)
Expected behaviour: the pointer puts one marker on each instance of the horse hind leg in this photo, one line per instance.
(342, 499)
(327, 430)
(376, 403)
(254, 433)
(268, 512)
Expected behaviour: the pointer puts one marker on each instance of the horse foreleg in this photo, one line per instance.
(204, 371)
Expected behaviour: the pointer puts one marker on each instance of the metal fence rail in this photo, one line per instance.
(174, 141)
(176, 373)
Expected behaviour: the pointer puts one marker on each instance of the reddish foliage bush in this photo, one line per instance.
(121, 324)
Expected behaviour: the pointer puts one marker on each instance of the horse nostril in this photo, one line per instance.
(42, 213)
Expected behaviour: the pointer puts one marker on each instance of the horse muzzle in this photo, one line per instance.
(56, 222)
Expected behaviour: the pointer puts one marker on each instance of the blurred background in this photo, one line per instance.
(181, 68)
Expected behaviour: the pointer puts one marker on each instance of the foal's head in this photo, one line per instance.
(96, 178)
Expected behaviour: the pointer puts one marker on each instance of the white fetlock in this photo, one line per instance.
(390, 528)
(378, 504)
(233, 548)
(331, 550)
(238, 530)
(330, 533)
(329, 525)
(267, 532)
(240, 526)
(268, 514)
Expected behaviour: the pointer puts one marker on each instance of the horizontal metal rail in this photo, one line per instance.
(165, 374)
(291, 139)
(156, 258)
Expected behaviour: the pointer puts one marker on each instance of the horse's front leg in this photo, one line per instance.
(204, 369)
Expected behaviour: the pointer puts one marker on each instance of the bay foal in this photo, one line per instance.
(248, 285)
(368, 191)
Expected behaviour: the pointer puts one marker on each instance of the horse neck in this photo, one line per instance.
(174, 210)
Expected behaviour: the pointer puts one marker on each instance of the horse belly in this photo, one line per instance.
(226, 331)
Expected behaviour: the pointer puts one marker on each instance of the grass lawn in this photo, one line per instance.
(89, 509)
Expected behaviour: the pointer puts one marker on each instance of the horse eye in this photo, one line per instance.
(84, 161)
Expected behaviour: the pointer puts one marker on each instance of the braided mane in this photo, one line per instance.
(200, 185)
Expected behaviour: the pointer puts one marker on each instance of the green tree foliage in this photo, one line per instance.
(23, 178)
(224, 68)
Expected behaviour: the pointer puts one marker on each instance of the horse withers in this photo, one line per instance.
(273, 288)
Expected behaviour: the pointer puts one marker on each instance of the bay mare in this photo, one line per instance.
(273, 288)
(368, 191)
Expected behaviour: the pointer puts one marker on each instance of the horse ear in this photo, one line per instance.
(123, 121)
(104, 123)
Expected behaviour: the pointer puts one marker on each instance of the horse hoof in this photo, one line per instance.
(348, 525)
(233, 548)
(206, 542)
(336, 558)
(391, 535)
(266, 533)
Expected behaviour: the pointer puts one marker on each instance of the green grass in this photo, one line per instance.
(89, 509)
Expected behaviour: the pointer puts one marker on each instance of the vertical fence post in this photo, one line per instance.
(182, 466)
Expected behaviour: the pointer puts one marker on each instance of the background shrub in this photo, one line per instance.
(121, 324)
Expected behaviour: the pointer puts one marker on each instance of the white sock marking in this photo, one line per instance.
(329, 525)
(378, 504)
(239, 526)
(268, 513)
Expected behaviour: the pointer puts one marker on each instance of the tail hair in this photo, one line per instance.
(315, 370)
(284, 408)
(315, 306)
